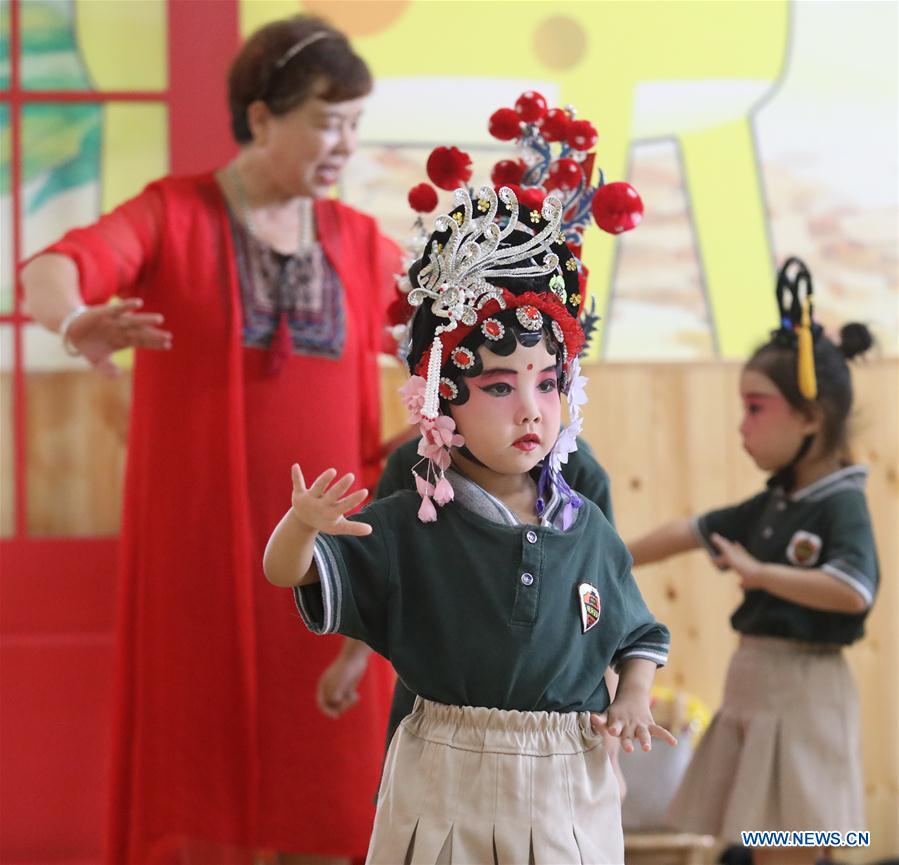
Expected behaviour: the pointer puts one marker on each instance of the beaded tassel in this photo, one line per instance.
(431, 407)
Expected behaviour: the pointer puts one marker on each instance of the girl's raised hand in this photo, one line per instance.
(322, 506)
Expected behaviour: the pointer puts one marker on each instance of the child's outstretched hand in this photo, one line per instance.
(628, 718)
(734, 555)
(323, 505)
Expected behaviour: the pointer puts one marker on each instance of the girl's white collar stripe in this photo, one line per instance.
(854, 474)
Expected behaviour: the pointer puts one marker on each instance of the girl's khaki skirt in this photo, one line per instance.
(493, 787)
(783, 750)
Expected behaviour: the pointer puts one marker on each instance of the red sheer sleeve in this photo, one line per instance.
(114, 254)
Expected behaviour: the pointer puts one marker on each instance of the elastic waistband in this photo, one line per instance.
(507, 731)
(781, 645)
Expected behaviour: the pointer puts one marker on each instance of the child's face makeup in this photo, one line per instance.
(511, 418)
(772, 430)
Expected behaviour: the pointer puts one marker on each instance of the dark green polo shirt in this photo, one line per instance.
(472, 612)
(582, 472)
(826, 525)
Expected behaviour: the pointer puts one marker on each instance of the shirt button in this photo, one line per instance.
(532, 537)
(781, 506)
(527, 579)
(767, 532)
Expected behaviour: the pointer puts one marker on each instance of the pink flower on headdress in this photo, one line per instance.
(413, 395)
(424, 488)
(437, 436)
(427, 513)
(443, 431)
(443, 492)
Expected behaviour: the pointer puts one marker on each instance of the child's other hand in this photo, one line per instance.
(323, 505)
(734, 555)
(629, 718)
(336, 690)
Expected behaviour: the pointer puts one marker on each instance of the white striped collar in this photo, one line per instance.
(850, 477)
(475, 498)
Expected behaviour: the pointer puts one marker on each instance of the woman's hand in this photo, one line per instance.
(102, 330)
(734, 555)
(323, 505)
(629, 717)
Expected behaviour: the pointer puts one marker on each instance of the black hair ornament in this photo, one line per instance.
(798, 329)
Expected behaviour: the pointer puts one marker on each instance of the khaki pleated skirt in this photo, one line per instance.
(492, 787)
(783, 752)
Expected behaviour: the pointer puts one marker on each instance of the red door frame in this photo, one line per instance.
(56, 616)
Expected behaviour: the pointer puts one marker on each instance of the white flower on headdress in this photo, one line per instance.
(577, 392)
(566, 443)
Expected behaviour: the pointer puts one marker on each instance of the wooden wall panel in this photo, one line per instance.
(76, 430)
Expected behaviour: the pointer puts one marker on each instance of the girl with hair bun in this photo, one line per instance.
(783, 751)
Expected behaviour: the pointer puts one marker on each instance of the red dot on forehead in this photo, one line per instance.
(530, 366)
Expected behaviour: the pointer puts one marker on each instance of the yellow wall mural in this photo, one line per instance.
(680, 92)
(111, 36)
(752, 130)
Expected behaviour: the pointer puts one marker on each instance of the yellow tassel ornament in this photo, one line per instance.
(808, 384)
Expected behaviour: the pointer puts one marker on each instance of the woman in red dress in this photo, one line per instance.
(268, 311)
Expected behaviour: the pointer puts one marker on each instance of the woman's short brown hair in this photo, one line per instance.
(264, 69)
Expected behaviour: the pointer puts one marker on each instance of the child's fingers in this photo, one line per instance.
(351, 501)
(722, 543)
(643, 737)
(599, 722)
(296, 475)
(339, 488)
(320, 484)
(659, 732)
(628, 744)
(351, 527)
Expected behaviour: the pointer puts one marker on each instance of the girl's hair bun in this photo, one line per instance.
(855, 339)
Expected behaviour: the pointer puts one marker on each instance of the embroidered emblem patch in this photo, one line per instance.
(589, 604)
(804, 549)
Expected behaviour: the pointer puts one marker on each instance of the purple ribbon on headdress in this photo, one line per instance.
(545, 483)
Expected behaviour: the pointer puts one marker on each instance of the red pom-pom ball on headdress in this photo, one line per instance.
(531, 106)
(449, 167)
(564, 174)
(504, 124)
(507, 172)
(555, 124)
(423, 198)
(617, 207)
(532, 197)
(582, 134)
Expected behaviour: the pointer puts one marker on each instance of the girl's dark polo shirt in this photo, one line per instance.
(472, 612)
(826, 525)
